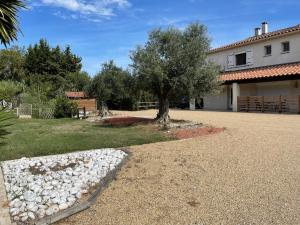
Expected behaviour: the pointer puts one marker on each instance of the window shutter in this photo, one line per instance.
(231, 61)
(249, 54)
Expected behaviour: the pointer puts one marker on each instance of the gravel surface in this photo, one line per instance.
(248, 174)
(41, 186)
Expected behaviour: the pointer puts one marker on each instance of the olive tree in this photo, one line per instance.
(174, 62)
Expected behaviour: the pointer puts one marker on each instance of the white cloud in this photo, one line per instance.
(98, 8)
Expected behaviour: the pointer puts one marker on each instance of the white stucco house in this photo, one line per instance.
(260, 73)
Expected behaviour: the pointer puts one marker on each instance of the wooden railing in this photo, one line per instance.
(147, 105)
(280, 104)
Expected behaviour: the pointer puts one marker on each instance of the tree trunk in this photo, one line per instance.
(163, 113)
(104, 112)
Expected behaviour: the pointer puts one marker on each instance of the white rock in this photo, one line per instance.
(49, 211)
(41, 213)
(63, 206)
(31, 215)
(78, 195)
(29, 196)
(69, 171)
(31, 206)
(14, 211)
(24, 217)
(47, 193)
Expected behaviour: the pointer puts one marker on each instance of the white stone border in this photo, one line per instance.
(103, 183)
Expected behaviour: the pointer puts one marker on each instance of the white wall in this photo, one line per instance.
(217, 102)
(259, 58)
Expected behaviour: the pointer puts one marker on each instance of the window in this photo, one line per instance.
(241, 59)
(268, 50)
(285, 46)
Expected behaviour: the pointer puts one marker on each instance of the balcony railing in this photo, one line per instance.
(280, 104)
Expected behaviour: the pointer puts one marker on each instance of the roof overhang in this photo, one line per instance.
(281, 71)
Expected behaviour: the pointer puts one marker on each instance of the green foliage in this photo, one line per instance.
(9, 90)
(5, 117)
(173, 62)
(9, 26)
(77, 81)
(12, 64)
(51, 66)
(64, 108)
(114, 86)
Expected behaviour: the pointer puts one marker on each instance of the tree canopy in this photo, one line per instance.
(52, 67)
(12, 64)
(173, 62)
(113, 85)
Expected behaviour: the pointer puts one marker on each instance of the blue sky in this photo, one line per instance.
(100, 30)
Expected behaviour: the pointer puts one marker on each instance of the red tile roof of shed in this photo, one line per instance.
(262, 72)
(73, 94)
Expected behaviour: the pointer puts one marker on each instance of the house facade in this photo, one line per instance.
(260, 73)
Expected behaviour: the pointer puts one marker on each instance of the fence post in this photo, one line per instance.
(84, 112)
(262, 104)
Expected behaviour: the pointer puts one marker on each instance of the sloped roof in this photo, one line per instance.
(262, 72)
(258, 38)
(74, 94)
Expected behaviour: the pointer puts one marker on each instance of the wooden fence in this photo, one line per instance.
(88, 104)
(280, 104)
(147, 105)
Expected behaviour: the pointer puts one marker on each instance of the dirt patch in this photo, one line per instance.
(195, 132)
(125, 121)
(36, 170)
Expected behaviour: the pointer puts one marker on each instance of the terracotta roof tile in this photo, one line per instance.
(262, 72)
(263, 37)
(73, 94)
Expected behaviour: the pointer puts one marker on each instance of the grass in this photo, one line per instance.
(29, 138)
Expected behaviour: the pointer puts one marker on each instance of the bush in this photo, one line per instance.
(9, 90)
(64, 108)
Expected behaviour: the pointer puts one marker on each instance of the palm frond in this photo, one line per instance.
(9, 25)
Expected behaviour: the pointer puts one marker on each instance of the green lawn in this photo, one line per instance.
(27, 138)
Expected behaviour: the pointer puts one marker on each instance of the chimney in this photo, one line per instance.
(257, 31)
(265, 28)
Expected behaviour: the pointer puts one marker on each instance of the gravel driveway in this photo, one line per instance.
(249, 174)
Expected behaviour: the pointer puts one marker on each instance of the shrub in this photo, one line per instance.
(64, 108)
(9, 90)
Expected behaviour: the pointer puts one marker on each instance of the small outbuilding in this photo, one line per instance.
(82, 100)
